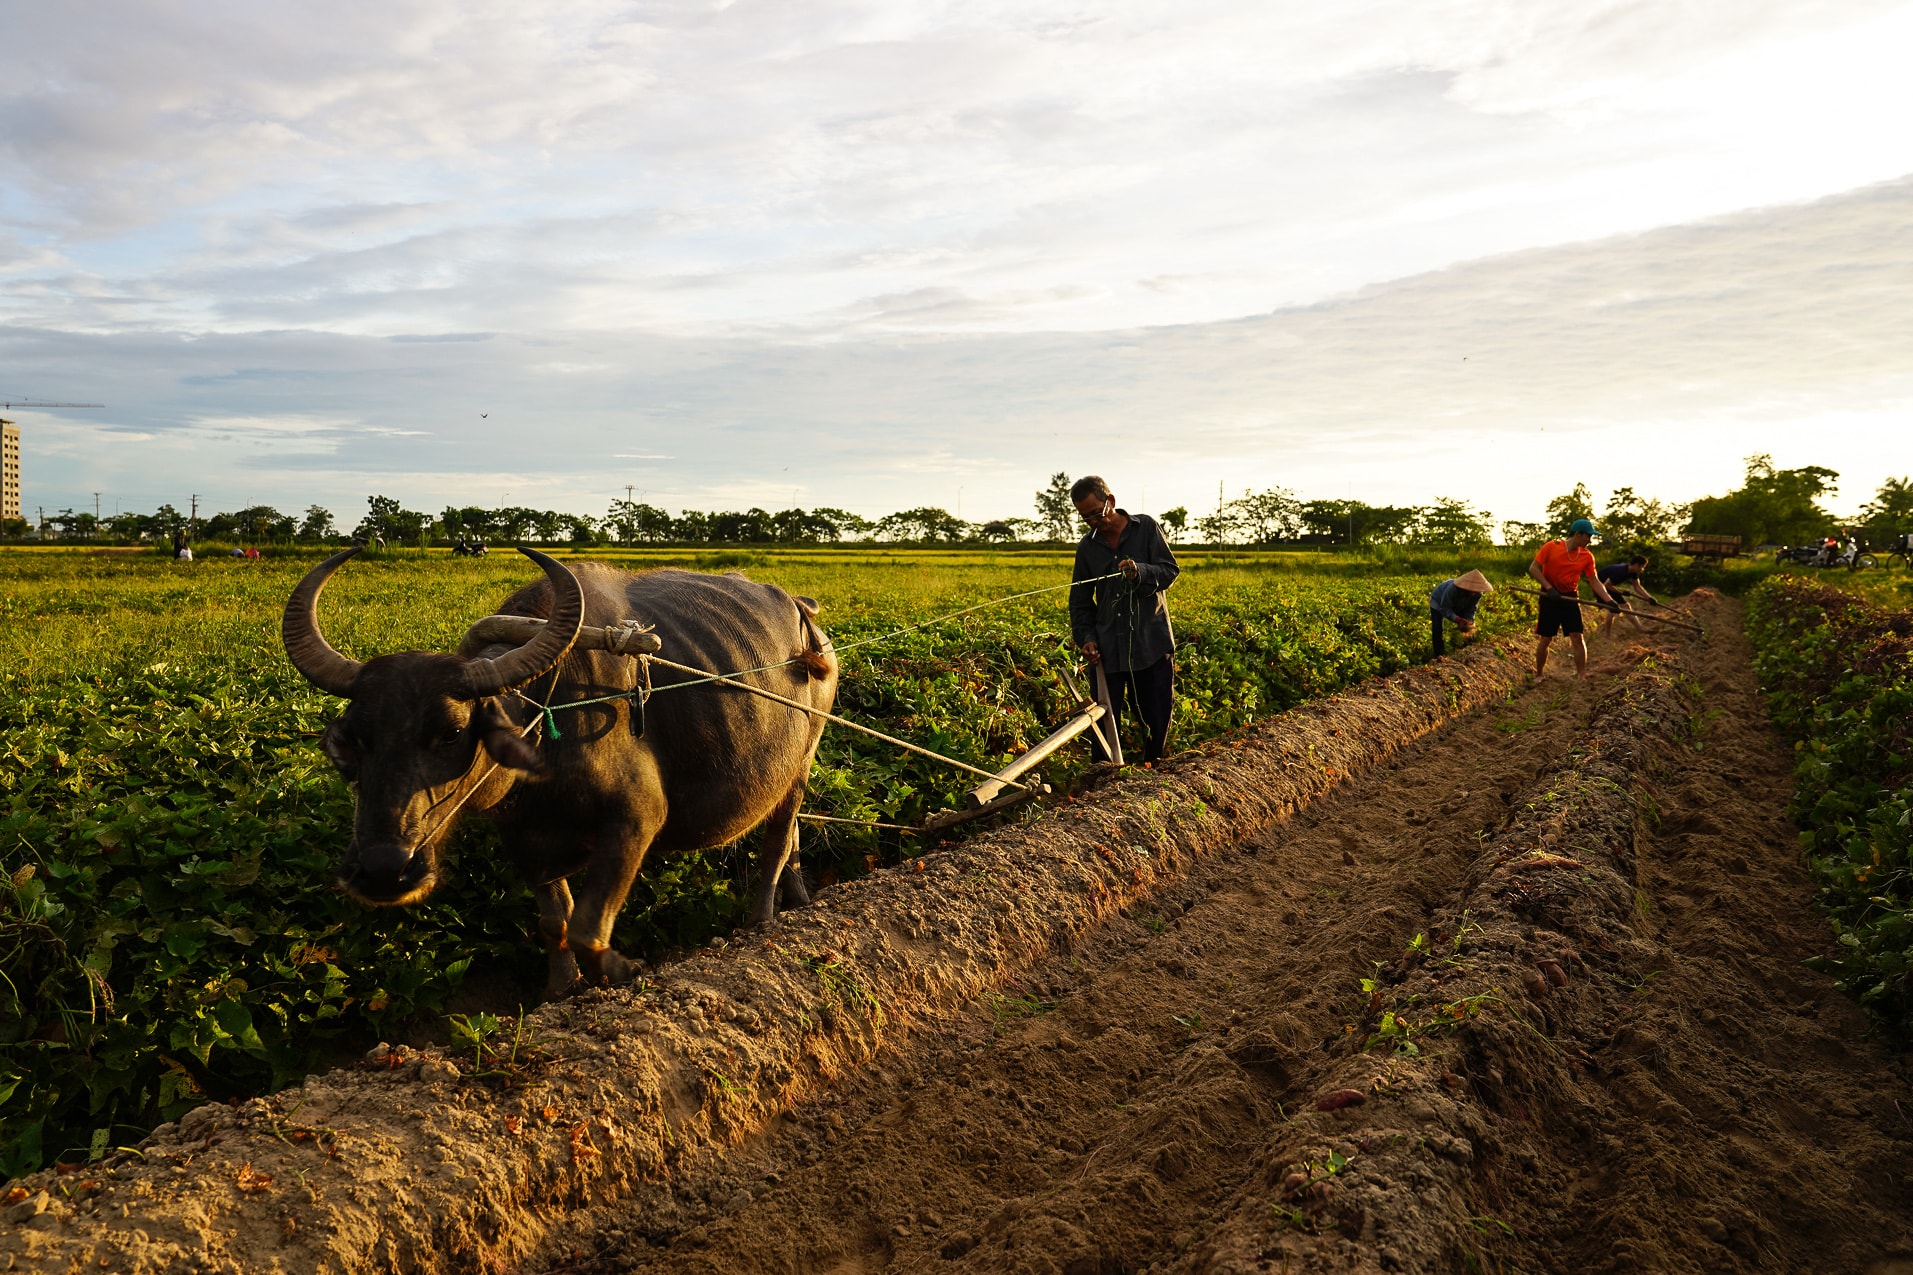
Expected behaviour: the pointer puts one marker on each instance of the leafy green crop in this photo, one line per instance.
(169, 828)
(1838, 672)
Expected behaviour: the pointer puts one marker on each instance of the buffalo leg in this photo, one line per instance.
(796, 894)
(606, 883)
(554, 922)
(778, 850)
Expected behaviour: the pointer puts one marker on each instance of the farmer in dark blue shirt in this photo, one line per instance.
(1456, 600)
(1123, 624)
(1623, 581)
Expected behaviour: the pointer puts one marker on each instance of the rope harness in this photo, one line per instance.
(639, 694)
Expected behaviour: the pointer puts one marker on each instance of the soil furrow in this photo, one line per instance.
(1097, 1114)
(1585, 911)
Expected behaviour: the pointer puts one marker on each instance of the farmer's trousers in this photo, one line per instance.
(1151, 695)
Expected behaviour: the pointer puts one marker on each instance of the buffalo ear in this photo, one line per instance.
(503, 740)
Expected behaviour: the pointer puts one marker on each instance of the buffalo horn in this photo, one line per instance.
(310, 653)
(515, 668)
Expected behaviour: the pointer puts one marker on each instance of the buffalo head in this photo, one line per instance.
(410, 741)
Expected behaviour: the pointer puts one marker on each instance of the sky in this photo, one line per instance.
(876, 256)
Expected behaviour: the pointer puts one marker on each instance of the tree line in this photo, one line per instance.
(1772, 506)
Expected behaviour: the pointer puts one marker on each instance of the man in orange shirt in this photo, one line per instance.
(1559, 566)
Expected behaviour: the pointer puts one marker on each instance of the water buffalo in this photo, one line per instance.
(428, 736)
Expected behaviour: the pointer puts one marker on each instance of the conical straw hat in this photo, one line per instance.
(1474, 582)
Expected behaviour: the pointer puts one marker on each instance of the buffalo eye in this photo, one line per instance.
(342, 750)
(450, 735)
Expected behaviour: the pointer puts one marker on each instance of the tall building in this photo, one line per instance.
(9, 469)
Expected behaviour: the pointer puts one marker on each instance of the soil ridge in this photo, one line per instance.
(410, 1162)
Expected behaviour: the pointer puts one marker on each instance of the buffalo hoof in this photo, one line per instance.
(561, 975)
(790, 888)
(604, 967)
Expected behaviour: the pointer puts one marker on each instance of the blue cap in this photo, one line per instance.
(1582, 527)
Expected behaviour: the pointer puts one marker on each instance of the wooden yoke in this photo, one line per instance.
(628, 638)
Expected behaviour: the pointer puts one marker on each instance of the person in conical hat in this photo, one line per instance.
(1456, 600)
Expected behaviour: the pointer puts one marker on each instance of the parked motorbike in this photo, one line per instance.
(1829, 554)
(468, 549)
(1848, 555)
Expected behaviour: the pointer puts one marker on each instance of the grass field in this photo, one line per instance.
(169, 826)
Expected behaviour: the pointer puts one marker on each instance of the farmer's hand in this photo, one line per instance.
(1466, 626)
(1092, 652)
(1128, 567)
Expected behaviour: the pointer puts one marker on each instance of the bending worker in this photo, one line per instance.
(1559, 567)
(1123, 624)
(1456, 600)
(1623, 581)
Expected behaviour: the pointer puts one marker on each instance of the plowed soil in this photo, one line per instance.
(1525, 994)
(1588, 1042)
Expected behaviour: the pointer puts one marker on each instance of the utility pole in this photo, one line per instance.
(96, 506)
(192, 519)
(627, 492)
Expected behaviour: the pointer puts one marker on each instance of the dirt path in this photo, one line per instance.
(1605, 1054)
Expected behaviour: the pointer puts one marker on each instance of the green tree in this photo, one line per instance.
(1453, 522)
(262, 522)
(835, 524)
(1265, 517)
(1175, 522)
(385, 517)
(1632, 522)
(1772, 506)
(752, 527)
(1337, 521)
(316, 527)
(1563, 510)
(926, 524)
(1525, 535)
(1055, 512)
(168, 520)
(1889, 515)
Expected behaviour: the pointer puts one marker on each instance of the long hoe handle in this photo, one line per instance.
(1602, 606)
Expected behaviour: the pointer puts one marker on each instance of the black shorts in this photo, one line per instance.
(1559, 615)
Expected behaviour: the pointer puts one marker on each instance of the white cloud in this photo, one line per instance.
(1656, 360)
(743, 166)
(891, 251)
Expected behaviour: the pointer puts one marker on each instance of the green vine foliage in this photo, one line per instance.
(1838, 672)
(169, 829)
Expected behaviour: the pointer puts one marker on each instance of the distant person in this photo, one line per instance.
(1123, 624)
(1559, 566)
(1623, 581)
(237, 552)
(1456, 600)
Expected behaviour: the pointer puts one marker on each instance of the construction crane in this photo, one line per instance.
(41, 402)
